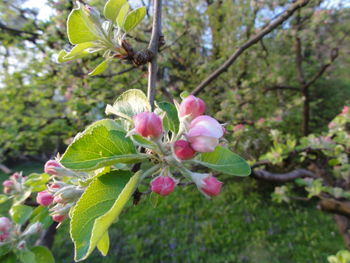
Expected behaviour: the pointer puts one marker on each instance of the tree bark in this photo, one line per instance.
(343, 225)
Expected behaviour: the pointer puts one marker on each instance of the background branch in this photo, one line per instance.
(253, 40)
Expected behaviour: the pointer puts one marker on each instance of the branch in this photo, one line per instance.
(333, 56)
(153, 47)
(335, 206)
(253, 40)
(13, 31)
(280, 87)
(281, 178)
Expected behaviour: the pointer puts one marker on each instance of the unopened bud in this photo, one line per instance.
(148, 124)
(5, 224)
(207, 184)
(44, 198)
(183, 150)
(4, 236)
(21, 245)
(192, 106)
(58, 218)
(163, 185)
(51, 167)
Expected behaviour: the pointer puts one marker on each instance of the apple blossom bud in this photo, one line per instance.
(4, 236)
(44, 198)
(345, 110)
(22, 245)
(15, 176)
(163, 185)
(50, 167)
(148, 124)
(58, 218)
(204, 133)
(212, 186)
(33, 229)
(183, 150)
(8, 183)
(192, 107)
(238, 127)
(5, 224)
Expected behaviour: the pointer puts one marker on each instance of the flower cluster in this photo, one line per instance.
(198, 133)
(60, 196)
(14, 184)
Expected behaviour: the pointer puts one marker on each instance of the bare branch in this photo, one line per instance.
(153, 47)
(280, 87)
(335, 206)
(281, 178)
(253, 40)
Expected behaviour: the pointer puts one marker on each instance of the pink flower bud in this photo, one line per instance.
(183, 150)
(148, 124)
(261, 121)
(345, 110)
(211, 186)
(5, 224)
(50, 166)
(15, 176)
(8, 183)
(204, 133)
(163, 185)
(58, 218)
(4, 236)
(44, 198)
(192, 106)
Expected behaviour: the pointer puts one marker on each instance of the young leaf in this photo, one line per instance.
(78, 50)
(122, 15)
(134, 18)
(20, 213)
(26, 256)
(42, 255)
(79, 29)
(142, 141)
(225, 161)
(129, 104)
(98, 208)
(171, 121)
(112, 8)
(100, 147)
(41, 214)
(103, 244)
(100, 68)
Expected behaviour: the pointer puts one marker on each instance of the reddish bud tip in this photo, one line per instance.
(148, 124)
(4, 236)
(211, 186)
(8, 183)
(163, 185)
(50, 166)
(183, 150)
(44, 198)
(5, 224)
(192, 106)
(58, 218)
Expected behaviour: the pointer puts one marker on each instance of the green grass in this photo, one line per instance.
(241, 225)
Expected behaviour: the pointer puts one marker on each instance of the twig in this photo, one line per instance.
(253, 40)
(281, 178)
(153, 47)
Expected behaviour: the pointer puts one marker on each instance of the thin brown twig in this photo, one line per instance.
(253, 40)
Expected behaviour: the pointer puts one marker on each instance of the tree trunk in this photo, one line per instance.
(343, 225)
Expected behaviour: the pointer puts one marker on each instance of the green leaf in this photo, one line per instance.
(225, 161)
(171, 121)
(142, 141)
(100, 68)
(3, 198)
(129, 104)
(9, 258)
(19, 199)
(98, 148)
(21, 213)
(79, 50)
(112, 8)
(43, 255)
(37, 182)
(41, 214)
(122, 15)
(103, 244)
(98, 208)
(134, 18)
(5, 249)
(26, 256)
(79, 28)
